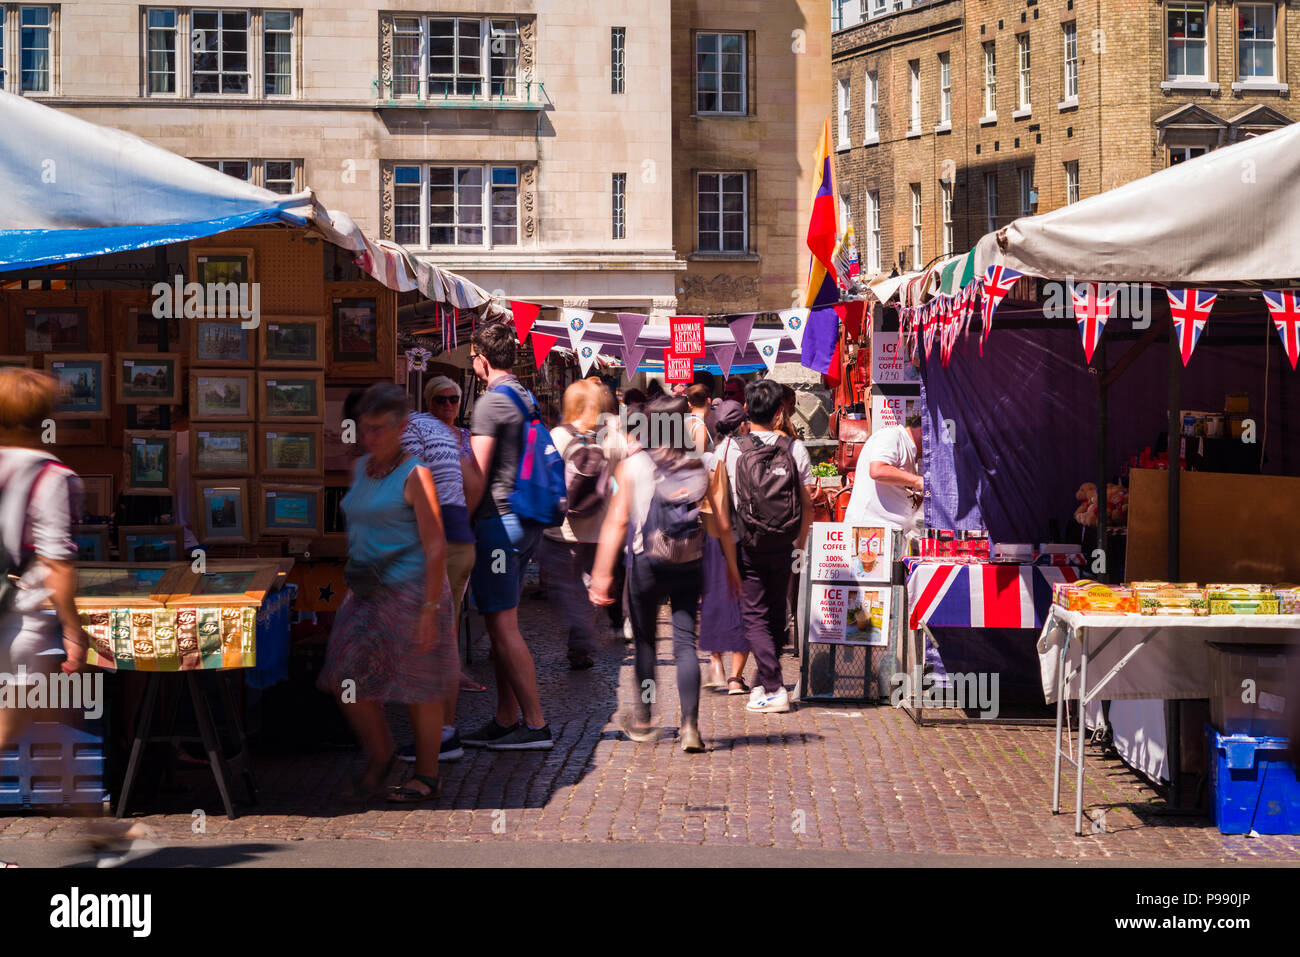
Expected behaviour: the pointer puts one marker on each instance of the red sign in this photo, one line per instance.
(688, 336)
(678, 368)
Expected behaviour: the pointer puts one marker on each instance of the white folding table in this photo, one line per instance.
(1175, 664)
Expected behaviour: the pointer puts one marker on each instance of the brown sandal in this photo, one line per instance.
(737, 685)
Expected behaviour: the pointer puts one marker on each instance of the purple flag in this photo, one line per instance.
(632, 356)
(741, 326)
(821, 339)
(630, 324)
(724, 356)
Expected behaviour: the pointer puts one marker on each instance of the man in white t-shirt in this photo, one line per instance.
(888, 470)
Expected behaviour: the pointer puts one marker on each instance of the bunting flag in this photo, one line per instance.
(794, 321)
(823, 226)
(741, 326)
(542, 345)
(630, 324)
(724, 355)
(927, 329)
(632, 356)
(1190, 310)
(998, 281)
(575, 323)
(587, 353)
(1091, 310)
(525, 314)
(821, 342)
(950, 325)
(767, 349)
(1284, 304)
(851, 314)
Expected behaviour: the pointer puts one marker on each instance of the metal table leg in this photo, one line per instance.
(1079, 757)
(211, 742)
(1060, 722)
(140, 740)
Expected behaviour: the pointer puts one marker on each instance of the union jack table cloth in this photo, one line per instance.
(946, 594)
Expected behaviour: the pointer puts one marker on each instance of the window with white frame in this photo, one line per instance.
(873, 231)
(917, 262)
(277, 52)
(843, 113)
(1072, 182)
(279, 175)
(720, 73)
(945, 88)
(1256, 41)
(1022, 71)
(877, 7)
(1185, 34)
(618, 205)
(945, 192)
(222, 52)
(1181, 154)
(991, 202)
(872, 104)
(436, 205)
(723, 203)
(1026, 191)
(990, 79)
(617, 58)
(239, 169)
(160, 51)
(36, 48)
(219, 51)
(914, 91)
(1071, 39)
(442, 56)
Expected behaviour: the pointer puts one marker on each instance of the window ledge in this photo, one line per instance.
(724, 257)
(943, 128)
(1022, 114)
(913, 134)
(1250, 86)
(411, 103)
(1071, 103)
(989, 119)
(843, 146)
(872, 140)
(1199, 85)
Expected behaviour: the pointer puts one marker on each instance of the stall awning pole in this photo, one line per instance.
(1103, 384)
(1175, 511)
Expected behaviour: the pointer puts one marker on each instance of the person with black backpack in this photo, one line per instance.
(568, 550)
(655, 518)
(769, 474)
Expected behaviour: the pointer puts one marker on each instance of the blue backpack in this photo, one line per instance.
(539, 494)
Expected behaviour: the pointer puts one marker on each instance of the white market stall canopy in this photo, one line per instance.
(1227, 217)
(70, 189)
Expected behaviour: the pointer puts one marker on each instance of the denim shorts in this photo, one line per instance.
(503, 544)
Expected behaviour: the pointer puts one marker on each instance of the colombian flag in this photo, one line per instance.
(822, 331)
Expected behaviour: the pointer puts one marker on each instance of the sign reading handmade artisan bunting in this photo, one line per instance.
(997, 283)
(1190, 310)
(587, 352)
(794, 321)
(1285, 306)
(575, 324)
(678, 368)
(688, 336)
(525, 314)
(1091, 310)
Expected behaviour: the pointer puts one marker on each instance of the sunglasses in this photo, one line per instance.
(446, 400)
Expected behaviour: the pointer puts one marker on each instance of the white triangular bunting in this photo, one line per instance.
(768, 350)
(794, 321)
(575, 323)
(587, 353)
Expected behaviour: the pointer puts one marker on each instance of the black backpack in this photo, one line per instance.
(767, 502)
(673, 533)
(586, 475)
(13, 566)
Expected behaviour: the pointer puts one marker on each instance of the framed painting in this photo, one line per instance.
(80, 378)
(363, 330)
(150, 466)
(56, 328)
(221, 266)
(289, 451)
(151, 543)
(148, 378)
(221, 512)
(117, 584)
(225, 580)
(290, 511)
(148, 416)
(221, 450)
(291, 342)
(91, 542)
(97, 495)
(223, 341)
(142, 331)
(290, 396)
(217, 395)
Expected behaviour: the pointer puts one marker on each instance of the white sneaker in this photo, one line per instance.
(776, 703)
(755, 693)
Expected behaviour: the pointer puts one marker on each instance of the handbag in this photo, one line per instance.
(720, 489)
(823, 503)
(852, 435)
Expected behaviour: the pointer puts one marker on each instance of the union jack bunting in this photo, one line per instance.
(1190, 309)
(998, 281)
(951, 326)
(1284, 304)
(1091, 310)
(927, 330)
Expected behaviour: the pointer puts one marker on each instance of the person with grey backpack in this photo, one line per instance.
(655, 517)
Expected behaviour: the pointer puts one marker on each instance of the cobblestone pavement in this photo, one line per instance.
(834, 778)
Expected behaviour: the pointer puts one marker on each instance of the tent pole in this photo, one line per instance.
(1174, 448)
(1103, 385)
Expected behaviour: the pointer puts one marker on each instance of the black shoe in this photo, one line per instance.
(524, 738)
(580, 661)
(484, 736)
(450, 751)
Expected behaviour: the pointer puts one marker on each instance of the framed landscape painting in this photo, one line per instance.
(223, 341)
(221, 266)
(151, 543)
(291, 342)
(363, 330)
(290, 511)
(291, 396)
(56, 328)
(290, 451)
(221, 512)
(80, 378)
(150, 467)
(91, 542)
(217, 395)
(148, 378)
(218, 450)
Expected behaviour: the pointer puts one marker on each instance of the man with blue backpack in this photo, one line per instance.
(524, 494)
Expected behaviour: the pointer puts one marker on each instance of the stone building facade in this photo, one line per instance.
(962, 115)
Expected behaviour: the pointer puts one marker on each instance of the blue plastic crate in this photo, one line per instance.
(55, 764)
(1252, 785)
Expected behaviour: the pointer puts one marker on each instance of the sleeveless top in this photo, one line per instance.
(381, 523)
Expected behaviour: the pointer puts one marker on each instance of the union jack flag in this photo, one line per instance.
(1091, 310)
(981, 596)
(927, 329)
(998, 281)
(1190, 309)
(1285, 306)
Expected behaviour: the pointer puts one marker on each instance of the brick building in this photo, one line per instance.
(955, 117)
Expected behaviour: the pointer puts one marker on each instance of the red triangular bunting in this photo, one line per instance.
(542, 345)
(525, 314)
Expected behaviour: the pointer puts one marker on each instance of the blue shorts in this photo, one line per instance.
(503, 544)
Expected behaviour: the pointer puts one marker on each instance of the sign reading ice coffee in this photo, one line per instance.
(848, 553)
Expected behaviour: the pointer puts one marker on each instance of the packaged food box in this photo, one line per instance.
(1141, 586)
(1087, 595)
(1258, 605)
(1229, 592)
(1288, 599)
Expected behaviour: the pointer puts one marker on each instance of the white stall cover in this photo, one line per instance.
(1226, 217)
